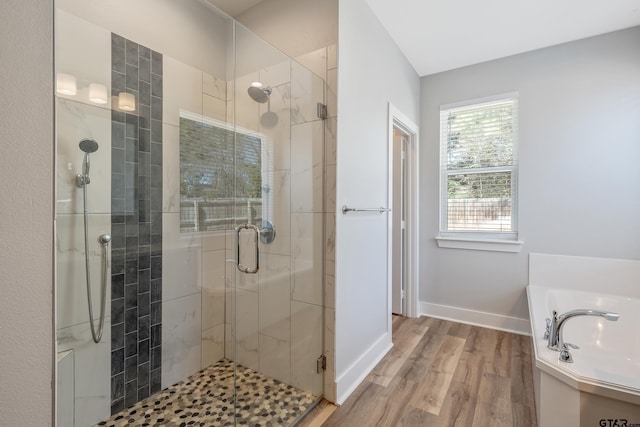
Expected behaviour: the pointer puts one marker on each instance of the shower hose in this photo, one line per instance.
(95, 334)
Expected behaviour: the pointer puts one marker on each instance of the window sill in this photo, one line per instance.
(494, 245)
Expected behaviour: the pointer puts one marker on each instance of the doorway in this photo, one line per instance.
(403, 227)
(398, 212)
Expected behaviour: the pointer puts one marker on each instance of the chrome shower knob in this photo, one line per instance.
(104, 239)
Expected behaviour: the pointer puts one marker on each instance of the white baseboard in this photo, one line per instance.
(356, 373)
(476, 318)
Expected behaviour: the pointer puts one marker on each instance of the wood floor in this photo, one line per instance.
(441, 373)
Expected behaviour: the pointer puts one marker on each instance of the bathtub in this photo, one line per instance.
(602, 386)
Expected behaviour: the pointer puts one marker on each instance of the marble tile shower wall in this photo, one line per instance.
(193, 264)
(136, 225)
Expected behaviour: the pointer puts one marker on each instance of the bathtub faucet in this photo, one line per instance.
(555, 327)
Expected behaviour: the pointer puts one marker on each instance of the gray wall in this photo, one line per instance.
(26, 209)
(372, 73)
(579, 149)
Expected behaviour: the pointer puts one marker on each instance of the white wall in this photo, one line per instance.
(579, 147)
(372, 73)
(26, 206)
(294, 26)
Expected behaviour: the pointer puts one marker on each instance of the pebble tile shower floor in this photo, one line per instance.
(206, 399)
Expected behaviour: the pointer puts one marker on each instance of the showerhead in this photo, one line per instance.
(88, 145)
(259, 94)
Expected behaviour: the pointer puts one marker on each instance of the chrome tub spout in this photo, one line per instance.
(555, 328)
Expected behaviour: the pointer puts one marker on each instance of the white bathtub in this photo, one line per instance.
(603, 383)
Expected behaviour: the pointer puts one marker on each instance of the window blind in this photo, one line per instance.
(220, 177)
(478, 166)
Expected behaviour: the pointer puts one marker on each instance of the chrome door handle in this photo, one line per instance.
(256, 230)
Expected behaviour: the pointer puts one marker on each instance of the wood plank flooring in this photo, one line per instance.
(441, 373)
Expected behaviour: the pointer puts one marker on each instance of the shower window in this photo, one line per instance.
(208, 177)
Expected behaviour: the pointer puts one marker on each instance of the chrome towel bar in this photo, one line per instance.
(346, 209)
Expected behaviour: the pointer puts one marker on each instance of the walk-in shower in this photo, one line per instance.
(150, 198)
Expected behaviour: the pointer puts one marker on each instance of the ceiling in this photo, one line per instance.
(440, 35)
(234, 7)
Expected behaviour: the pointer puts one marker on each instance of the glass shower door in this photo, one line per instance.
(276, 306)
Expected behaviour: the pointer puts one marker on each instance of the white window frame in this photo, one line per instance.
(500, 241)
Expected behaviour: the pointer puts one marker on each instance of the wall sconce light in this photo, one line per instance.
(98, 93)
(126, 101)
(66, 84)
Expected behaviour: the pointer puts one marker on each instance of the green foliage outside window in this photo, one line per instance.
(207, 155)
(220, 172)
(479, 138)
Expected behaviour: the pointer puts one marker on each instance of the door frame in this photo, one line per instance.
(398, 120)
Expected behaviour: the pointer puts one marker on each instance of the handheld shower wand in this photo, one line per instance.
(82, 180)
(87, 146)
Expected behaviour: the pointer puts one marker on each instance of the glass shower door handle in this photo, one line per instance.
(256, 231)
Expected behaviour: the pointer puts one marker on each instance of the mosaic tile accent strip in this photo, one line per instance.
(206, 399)
(136, 225)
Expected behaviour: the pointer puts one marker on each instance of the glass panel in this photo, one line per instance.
(279, 310)
(126, 82)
